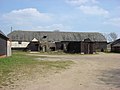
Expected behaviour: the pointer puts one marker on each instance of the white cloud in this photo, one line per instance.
(94, 10)
(113, 21)
(77, 2)
(81, 2)
(32, 19)
(53, 27)
(90, 7)
(25, 16)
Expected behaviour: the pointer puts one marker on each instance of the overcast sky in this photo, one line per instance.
(64, 15)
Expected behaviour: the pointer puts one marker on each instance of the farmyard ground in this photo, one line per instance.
(89, 72)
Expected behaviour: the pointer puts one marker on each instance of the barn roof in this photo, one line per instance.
(3, 35)
(116, 43)
(54, 36)
(1, 32)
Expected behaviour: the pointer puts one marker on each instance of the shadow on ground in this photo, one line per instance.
(111, 77)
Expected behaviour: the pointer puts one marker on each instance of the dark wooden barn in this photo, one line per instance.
(5, 49)
(71, 42)
(115, 46)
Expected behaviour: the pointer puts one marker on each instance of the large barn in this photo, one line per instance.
(5, 46)
(71, 42)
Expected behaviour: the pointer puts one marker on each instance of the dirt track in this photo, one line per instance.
(90, 72)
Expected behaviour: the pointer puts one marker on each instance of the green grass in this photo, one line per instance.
(19, 66)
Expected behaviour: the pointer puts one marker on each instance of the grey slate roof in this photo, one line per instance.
(1, 33)
(116, 43)
(55, 36)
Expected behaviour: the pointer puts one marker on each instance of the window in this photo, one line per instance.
(44, 37)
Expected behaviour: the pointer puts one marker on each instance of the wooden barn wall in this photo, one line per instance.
(99, 46)
(82, 47)
(59, 46)
(3, 46)
(115, 49)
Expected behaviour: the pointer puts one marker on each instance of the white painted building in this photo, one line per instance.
(19, 44)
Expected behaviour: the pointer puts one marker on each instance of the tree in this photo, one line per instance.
(110, 36)
(113, 36)
(56, 30)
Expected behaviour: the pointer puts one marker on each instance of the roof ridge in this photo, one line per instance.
(52, 31)
(3, 34)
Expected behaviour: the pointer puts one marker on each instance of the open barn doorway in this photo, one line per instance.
(74, 47)
(33, 46)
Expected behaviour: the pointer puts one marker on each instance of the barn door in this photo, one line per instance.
(34, 47)
(88, 46)
(74, 47)
(91, 48)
